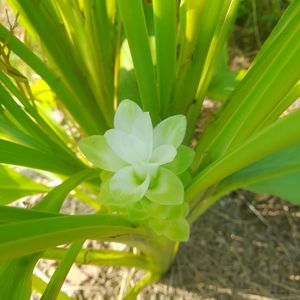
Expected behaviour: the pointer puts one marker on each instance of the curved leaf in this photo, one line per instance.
(14, 185)
(277, 174)
(27, 237)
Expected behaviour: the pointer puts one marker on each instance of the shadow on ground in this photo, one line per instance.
(242, 248)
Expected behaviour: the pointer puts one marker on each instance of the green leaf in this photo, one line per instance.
(165, 13)
(18, 135)
(39, 286)
(52, 31)
(14, 185)
(127, 87)
(54, 81)
(10, 214)
(183, 160)
(276, 174)
(283, 105)
(27, 237)
(223, 84)
(52, 290)
(268, 81)
(54, 200)
(215, 27)
(97, 151)
(170, 131)
(279, 135)
(204, 27)
(10, 153)
(167, 189)
(136, 31)
(285, 186)
(15, 279)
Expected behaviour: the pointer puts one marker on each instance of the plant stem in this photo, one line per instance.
(135, 290)
(105, 257)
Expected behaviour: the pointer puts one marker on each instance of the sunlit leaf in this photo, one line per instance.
(14, 185)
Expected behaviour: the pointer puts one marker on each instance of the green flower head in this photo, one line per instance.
(143, 162)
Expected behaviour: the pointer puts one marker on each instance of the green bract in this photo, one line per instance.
(142, 162)
(138, 156)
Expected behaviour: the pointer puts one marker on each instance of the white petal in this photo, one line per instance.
(126, 188)
(143, 130)
(167, 190)
(126, 114)
(170, 131)
(128, 147)
(98, 152)
(163, 154)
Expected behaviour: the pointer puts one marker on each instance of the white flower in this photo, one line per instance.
(145, 161)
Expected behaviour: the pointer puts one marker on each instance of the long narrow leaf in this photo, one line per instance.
(11, 153)
(52, 290)
(39, 286)
(54, 200)
(165, 37)
(281, 134)
(54, 81)
(267, 82)
(14, 185)
(27, 237)
(14, 214)
(136, 31)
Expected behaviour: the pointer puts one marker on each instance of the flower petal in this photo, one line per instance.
(98, 152)
(126, 114)
(128, 147)
(184, 158)
(170, 131)
(163, 154)
(143, 130)
(167, 190)
(126, 188)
